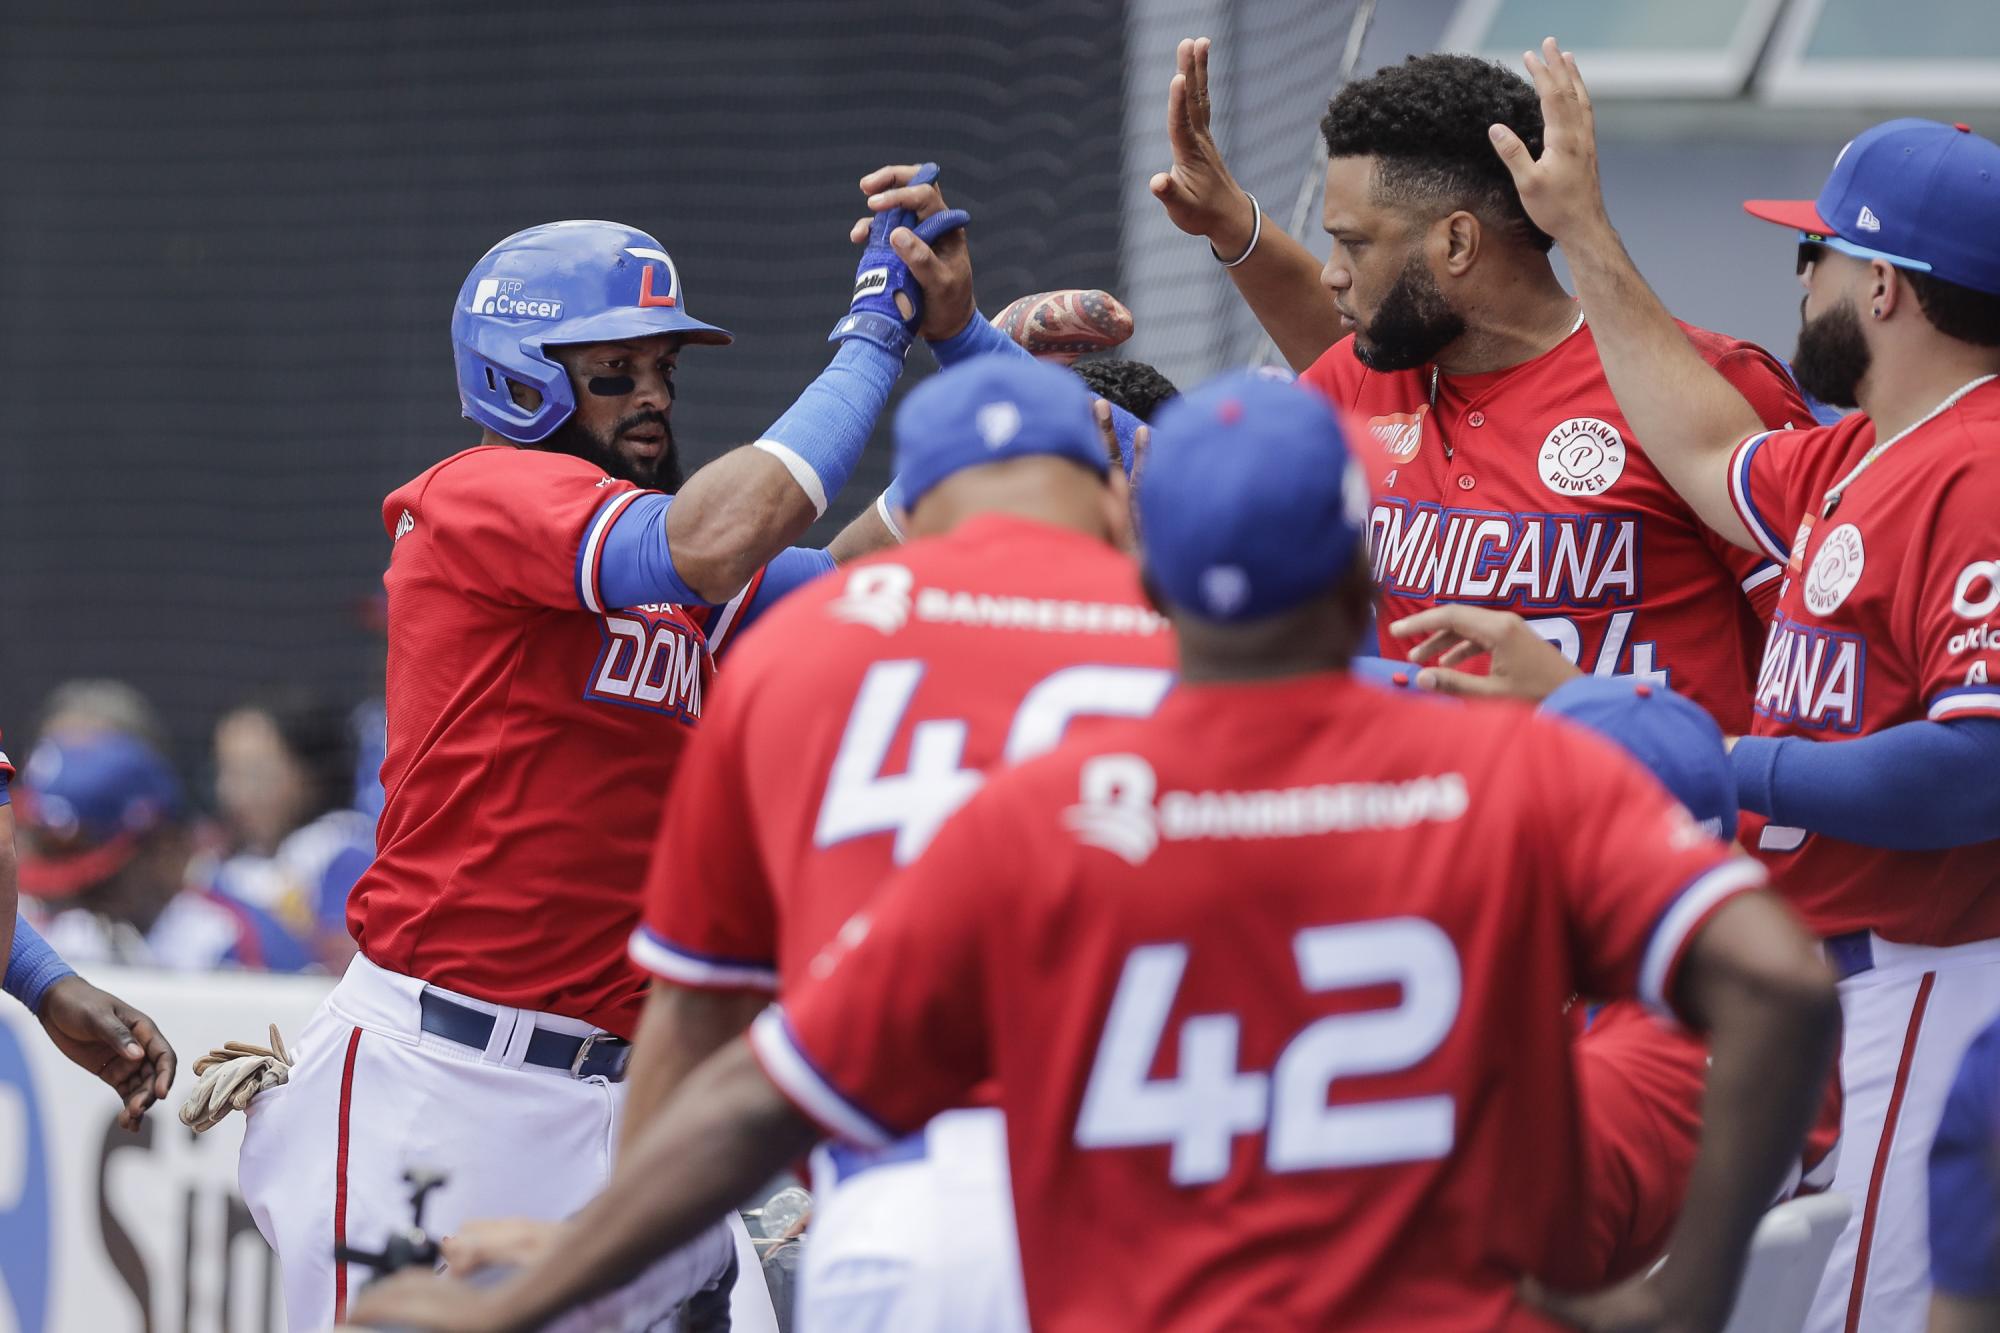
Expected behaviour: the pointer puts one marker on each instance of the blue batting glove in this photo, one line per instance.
(874, 314)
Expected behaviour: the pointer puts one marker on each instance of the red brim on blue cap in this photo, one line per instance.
(45, 876)
(1798, 214)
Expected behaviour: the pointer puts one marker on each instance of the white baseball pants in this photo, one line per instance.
(920, 1246)
(373, 1094)
(1907, 1022)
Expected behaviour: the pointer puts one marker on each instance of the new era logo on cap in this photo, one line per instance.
(1867, 221)
(997, 423)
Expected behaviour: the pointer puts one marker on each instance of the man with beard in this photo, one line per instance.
(1508, 476)
(1886, 636)
(557, 599)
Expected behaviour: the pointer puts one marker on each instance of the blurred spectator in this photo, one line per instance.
(284, 777)
(105, 848)
(78, 708)
(369, 726)
(1133, 385)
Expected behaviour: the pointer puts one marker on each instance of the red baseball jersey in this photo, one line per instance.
(1886, 614)
(929, 664)
(531, 735)
(1273, 987)
(1524, 489)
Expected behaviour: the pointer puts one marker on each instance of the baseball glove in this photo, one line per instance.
(229, 1078)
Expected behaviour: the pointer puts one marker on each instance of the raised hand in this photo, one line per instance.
(941, 262)
(1199, 194)
(1560, 189)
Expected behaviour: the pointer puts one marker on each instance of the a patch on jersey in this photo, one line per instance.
(877, 596)
(404, 524)
(1582, 456)
(1117, 810)
(1797, 562)
(1835, 570)
(1401, 433)
(1976, 595)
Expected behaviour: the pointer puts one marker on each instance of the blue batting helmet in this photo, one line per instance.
(562, 282)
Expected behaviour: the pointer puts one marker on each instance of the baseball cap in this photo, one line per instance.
(988, 410)
(1250, 502)
(1673, 737)
(88, 800)
(1918, 193)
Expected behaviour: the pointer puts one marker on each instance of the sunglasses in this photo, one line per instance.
(1814, 245)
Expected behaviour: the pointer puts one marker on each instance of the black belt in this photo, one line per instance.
(1850, 955)
(598, 1055)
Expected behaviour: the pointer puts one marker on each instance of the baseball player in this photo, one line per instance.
(557, 601)
(1010, 618)
(1640, 1082)
(96, 1030)
(1875, 728)
(1507, 476)
(1269, 1056)
(107, 858)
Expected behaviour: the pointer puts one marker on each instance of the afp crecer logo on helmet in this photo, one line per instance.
(503, 296)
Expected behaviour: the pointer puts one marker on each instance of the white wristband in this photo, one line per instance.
(1256, 231)
(885, 512)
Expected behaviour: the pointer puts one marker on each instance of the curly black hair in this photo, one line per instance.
(1132, 385)
(1425, 120)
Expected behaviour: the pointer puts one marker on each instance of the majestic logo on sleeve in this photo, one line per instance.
(1812, 677)
(1401, 433)
(1582, 456)
(1835, 570)
(1530, 561)
(1117, 811)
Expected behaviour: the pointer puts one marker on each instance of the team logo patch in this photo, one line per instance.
(1582, 456)
(1401, 433)
(1224, 588)
(877, 596)
(1835, 570)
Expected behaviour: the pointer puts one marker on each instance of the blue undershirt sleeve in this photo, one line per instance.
(32, 966)
(982, 338)
(1919, 786)
(637, 568)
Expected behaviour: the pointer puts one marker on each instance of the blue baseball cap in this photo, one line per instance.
(1250, 502)
(988, 410)
(88, 799)
(1676, 740)
(1920, 194)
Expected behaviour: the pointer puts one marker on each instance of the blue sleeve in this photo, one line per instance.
(791, 569)
(635, 568)
(820, 437)
(1919, 786)
(32, 966)
(1965, 1177)
(982, 338)
(5, 799)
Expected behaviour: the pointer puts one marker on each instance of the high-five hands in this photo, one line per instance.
(1199, 194)
(1560, 189)
(933, 250)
